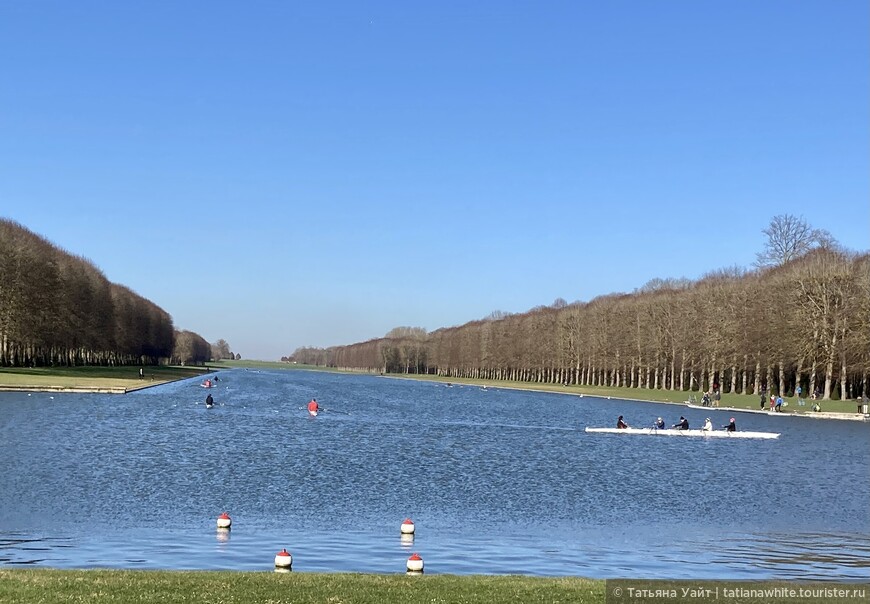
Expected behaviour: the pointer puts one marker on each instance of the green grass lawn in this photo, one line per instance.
(142, 587)
(93, 377)
(35, 586)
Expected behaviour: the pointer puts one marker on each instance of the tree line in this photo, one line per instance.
(57, 308)
(800, 317)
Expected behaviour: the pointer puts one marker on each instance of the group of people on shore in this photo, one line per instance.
(683, 424)
(711, 398)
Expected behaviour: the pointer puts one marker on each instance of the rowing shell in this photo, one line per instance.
(671, 432)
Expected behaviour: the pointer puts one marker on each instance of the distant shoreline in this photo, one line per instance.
(616, 394)
(83, 389)
(123, 380)
(94, 380)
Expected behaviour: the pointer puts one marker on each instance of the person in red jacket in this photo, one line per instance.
(313, 407)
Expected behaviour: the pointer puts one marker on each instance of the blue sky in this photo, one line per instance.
(284, 174)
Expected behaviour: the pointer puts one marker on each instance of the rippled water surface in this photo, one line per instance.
(496, 481)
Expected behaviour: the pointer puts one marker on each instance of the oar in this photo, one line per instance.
(331, 410)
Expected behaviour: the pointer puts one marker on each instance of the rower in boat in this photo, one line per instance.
(708, 425)
(209, 401)
(313, 407)
(620, 423)
(683, 424)
(731, 426)
(660, 424)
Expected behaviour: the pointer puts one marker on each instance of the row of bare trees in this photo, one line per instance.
(801, 318)
(59, 309)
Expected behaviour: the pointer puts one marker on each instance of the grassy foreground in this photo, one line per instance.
(226, 587)
(142, 587)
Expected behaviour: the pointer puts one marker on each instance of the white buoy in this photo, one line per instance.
(407, 527)
(283, 559)
(415, 564)
(224, 521)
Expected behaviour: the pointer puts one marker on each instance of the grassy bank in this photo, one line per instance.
(142, 587)
(35, 586)
(108, 378)
(739, 401)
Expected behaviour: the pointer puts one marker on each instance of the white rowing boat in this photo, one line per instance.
(673, 432)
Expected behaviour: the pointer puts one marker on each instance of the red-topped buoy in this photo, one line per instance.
(224, 521)
(407, 527)
(415, 564)
(283, 559)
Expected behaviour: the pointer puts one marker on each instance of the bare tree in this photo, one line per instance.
(221, 350)
(788, 238)
(497, 315)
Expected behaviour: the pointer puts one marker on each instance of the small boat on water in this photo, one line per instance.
(685, 433)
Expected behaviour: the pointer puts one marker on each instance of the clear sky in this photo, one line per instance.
(285, 174)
